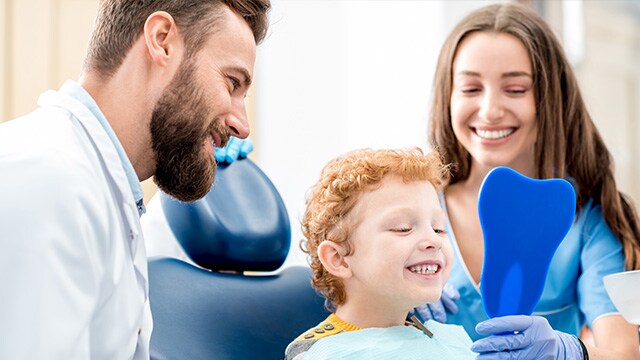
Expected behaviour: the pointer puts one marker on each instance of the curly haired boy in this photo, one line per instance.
(376, 241)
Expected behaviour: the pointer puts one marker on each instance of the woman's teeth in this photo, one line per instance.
(425, 269)
(494, 134)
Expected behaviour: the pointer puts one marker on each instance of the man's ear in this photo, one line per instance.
(332, 257)
(161, 38)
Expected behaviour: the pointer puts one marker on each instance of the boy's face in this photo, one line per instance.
(402, 256)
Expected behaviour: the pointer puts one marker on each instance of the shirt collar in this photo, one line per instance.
(76, 91)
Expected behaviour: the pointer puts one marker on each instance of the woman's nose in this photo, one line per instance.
(491, 108)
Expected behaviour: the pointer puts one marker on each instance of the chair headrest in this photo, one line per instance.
(240, 225)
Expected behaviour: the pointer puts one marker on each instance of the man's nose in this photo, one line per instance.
(237, 122)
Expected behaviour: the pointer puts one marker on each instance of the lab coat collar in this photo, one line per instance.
(106, 149)
(74, 90)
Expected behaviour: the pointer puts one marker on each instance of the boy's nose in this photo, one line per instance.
(431, 241)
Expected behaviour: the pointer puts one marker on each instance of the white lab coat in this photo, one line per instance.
(73, 270)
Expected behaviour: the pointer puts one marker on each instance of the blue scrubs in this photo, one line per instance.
(574, 292)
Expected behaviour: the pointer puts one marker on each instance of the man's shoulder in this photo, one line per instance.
(53, 169)
(51, 139)
(41, 133)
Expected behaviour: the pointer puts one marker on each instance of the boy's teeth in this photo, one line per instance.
(494, 134)
(425, 269)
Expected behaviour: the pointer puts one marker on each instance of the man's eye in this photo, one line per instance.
(234, 82)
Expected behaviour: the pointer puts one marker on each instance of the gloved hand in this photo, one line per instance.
(234, 149)
(527, 337)
(438, 311)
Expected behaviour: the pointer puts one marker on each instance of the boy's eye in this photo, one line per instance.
(401, 229)
(439, 231)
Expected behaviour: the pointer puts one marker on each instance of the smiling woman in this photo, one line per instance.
(493, 108)
(505, 95)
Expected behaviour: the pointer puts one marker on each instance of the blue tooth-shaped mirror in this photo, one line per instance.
(523, 221)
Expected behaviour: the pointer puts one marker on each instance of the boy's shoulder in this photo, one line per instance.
(330, 326)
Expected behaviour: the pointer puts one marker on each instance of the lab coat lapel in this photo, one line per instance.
(108, 154)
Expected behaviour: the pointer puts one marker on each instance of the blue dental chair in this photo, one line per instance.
(217, 310)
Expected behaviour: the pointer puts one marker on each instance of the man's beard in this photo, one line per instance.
(184, 169)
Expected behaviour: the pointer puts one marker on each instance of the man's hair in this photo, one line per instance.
(120, 22)
(341, 183)
(568, 143)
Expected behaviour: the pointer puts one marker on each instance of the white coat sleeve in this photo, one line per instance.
(52, 245)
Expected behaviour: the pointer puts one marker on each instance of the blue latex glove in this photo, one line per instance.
(438, 310)
(234, 149)
(524, 337)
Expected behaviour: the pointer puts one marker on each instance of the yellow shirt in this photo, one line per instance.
(330, 326)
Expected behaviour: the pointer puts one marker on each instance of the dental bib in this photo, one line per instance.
(396, 342)
(523, 222)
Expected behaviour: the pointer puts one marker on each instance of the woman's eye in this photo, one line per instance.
(516, 91)
(470, 90)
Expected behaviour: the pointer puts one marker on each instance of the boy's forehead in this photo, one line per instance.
(387, 193)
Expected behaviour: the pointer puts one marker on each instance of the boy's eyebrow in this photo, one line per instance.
(440, 216)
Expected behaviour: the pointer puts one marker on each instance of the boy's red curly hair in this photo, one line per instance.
(341, 182)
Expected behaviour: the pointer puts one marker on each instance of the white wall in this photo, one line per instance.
(334, 76)
(610, 82)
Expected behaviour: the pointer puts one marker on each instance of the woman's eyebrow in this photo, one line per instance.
(468, 73)
(516, 74)
(509, 74)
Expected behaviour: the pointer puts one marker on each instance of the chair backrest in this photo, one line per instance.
(217, 311)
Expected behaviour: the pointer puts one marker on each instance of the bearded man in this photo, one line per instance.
(162, 85)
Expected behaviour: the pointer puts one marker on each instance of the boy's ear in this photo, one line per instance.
(332, 258)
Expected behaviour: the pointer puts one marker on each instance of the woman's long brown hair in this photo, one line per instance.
(568, 143)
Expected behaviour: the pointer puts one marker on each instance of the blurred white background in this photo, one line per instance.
(336, 75)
